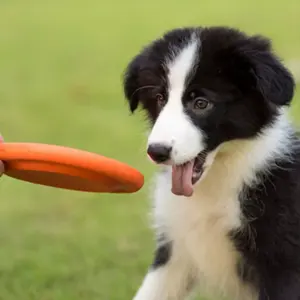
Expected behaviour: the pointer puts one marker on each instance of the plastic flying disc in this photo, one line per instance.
(68, 168)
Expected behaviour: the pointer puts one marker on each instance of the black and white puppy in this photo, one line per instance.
(227, 200)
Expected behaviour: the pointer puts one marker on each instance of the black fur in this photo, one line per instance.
(270, 243)
(247, 84)
(162, 255)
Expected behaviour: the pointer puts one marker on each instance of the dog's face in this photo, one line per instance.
(201, 88)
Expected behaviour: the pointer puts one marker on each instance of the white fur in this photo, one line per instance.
(198, 226)
(160, 283)
(173, 127)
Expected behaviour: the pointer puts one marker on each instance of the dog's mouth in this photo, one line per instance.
(184, 176)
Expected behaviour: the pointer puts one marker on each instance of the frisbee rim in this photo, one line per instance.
(49, 155)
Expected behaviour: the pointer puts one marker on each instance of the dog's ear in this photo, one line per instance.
(272, 79)
(130, 83)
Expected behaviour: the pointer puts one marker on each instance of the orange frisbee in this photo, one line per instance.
(68, 168)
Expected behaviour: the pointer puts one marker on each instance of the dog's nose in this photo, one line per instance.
(159, 153)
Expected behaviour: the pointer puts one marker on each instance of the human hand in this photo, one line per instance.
(1, 163)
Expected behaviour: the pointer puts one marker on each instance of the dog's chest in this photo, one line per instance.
(200, 227)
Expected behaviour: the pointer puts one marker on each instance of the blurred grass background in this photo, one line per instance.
(60, 67)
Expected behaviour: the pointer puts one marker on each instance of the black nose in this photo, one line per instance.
(159, 153)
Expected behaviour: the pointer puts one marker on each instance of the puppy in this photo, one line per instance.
(227, 198)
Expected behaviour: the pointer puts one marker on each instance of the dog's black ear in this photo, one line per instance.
(273, 80)
(130, 83)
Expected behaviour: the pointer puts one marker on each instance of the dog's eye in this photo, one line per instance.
(160, 100)
(201, 103)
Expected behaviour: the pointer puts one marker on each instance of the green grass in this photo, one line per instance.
(60, 67)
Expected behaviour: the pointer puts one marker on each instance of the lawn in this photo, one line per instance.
(60, 68)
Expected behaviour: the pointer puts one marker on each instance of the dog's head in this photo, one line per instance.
(202, 87)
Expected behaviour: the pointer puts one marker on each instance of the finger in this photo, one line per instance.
(1, 168)
(1, 163)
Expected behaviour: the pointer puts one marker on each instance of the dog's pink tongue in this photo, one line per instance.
(182, 179)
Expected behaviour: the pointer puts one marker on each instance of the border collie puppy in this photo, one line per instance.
(227, 199)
